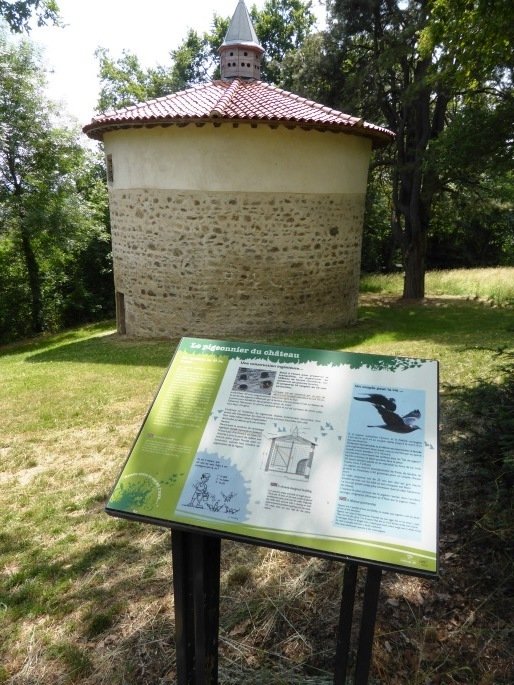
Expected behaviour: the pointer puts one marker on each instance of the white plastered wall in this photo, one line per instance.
(242, 158)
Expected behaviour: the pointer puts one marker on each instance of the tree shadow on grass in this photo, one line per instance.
(108, 349)
(449, 323)
(42, 585)
(458, 629)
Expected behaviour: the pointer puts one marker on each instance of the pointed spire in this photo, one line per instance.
(241, 29)
(241, 51)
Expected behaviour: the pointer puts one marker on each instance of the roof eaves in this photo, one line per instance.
(380, 137)
(243, 44)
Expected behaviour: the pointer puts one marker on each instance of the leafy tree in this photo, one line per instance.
(17, 13)
(474, 37)
(474, 225)
(309, 70)
(379, 253)
(281, 26)
(125, 81)
(47, 221)
(408, 64)
(196, 60)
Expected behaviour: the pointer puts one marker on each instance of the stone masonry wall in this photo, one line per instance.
(220, 264)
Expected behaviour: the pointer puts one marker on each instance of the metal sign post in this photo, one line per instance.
(196, 581)
(196, 576)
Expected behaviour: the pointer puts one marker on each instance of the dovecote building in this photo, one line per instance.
(236, 207)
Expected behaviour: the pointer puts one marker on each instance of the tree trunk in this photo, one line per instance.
(416, 223)
(31, 264)
(414, 263)
(34, 276)
(416, 183)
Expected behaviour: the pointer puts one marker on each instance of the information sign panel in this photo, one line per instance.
(327, 452)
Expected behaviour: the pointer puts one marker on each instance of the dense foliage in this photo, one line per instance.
(54, 243)
(428, 70)
(18, 13)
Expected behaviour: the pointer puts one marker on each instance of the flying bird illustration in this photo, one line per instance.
(379, 401)
(396, 423)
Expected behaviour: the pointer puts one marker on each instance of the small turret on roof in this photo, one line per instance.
(241, 52)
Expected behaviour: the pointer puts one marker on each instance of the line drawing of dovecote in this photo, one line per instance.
(291, 454)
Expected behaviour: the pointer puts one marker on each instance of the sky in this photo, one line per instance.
(150, 29)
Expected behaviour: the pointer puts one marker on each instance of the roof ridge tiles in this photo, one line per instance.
(224, 101)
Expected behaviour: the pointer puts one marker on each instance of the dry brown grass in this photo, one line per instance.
(87, 599)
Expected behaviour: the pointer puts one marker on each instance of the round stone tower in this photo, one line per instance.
(236, 207)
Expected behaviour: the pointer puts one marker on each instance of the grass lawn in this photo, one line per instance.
(493, 285)
(88, 599)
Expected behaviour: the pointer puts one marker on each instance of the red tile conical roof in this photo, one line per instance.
(235, 101)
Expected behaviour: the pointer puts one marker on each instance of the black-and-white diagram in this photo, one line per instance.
(201, 492)
(291, 454)
(254, 380)
(202, 498)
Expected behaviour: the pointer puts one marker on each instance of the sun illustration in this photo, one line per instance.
(137, 492)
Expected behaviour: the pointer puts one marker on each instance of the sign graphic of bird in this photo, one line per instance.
(396, 423)
(379, 401)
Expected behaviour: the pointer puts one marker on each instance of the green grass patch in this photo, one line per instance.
(97, 621)
(86, 598)
(494, 285)
(76, 661)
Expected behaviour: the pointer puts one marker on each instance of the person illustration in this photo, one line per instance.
(201, 493)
